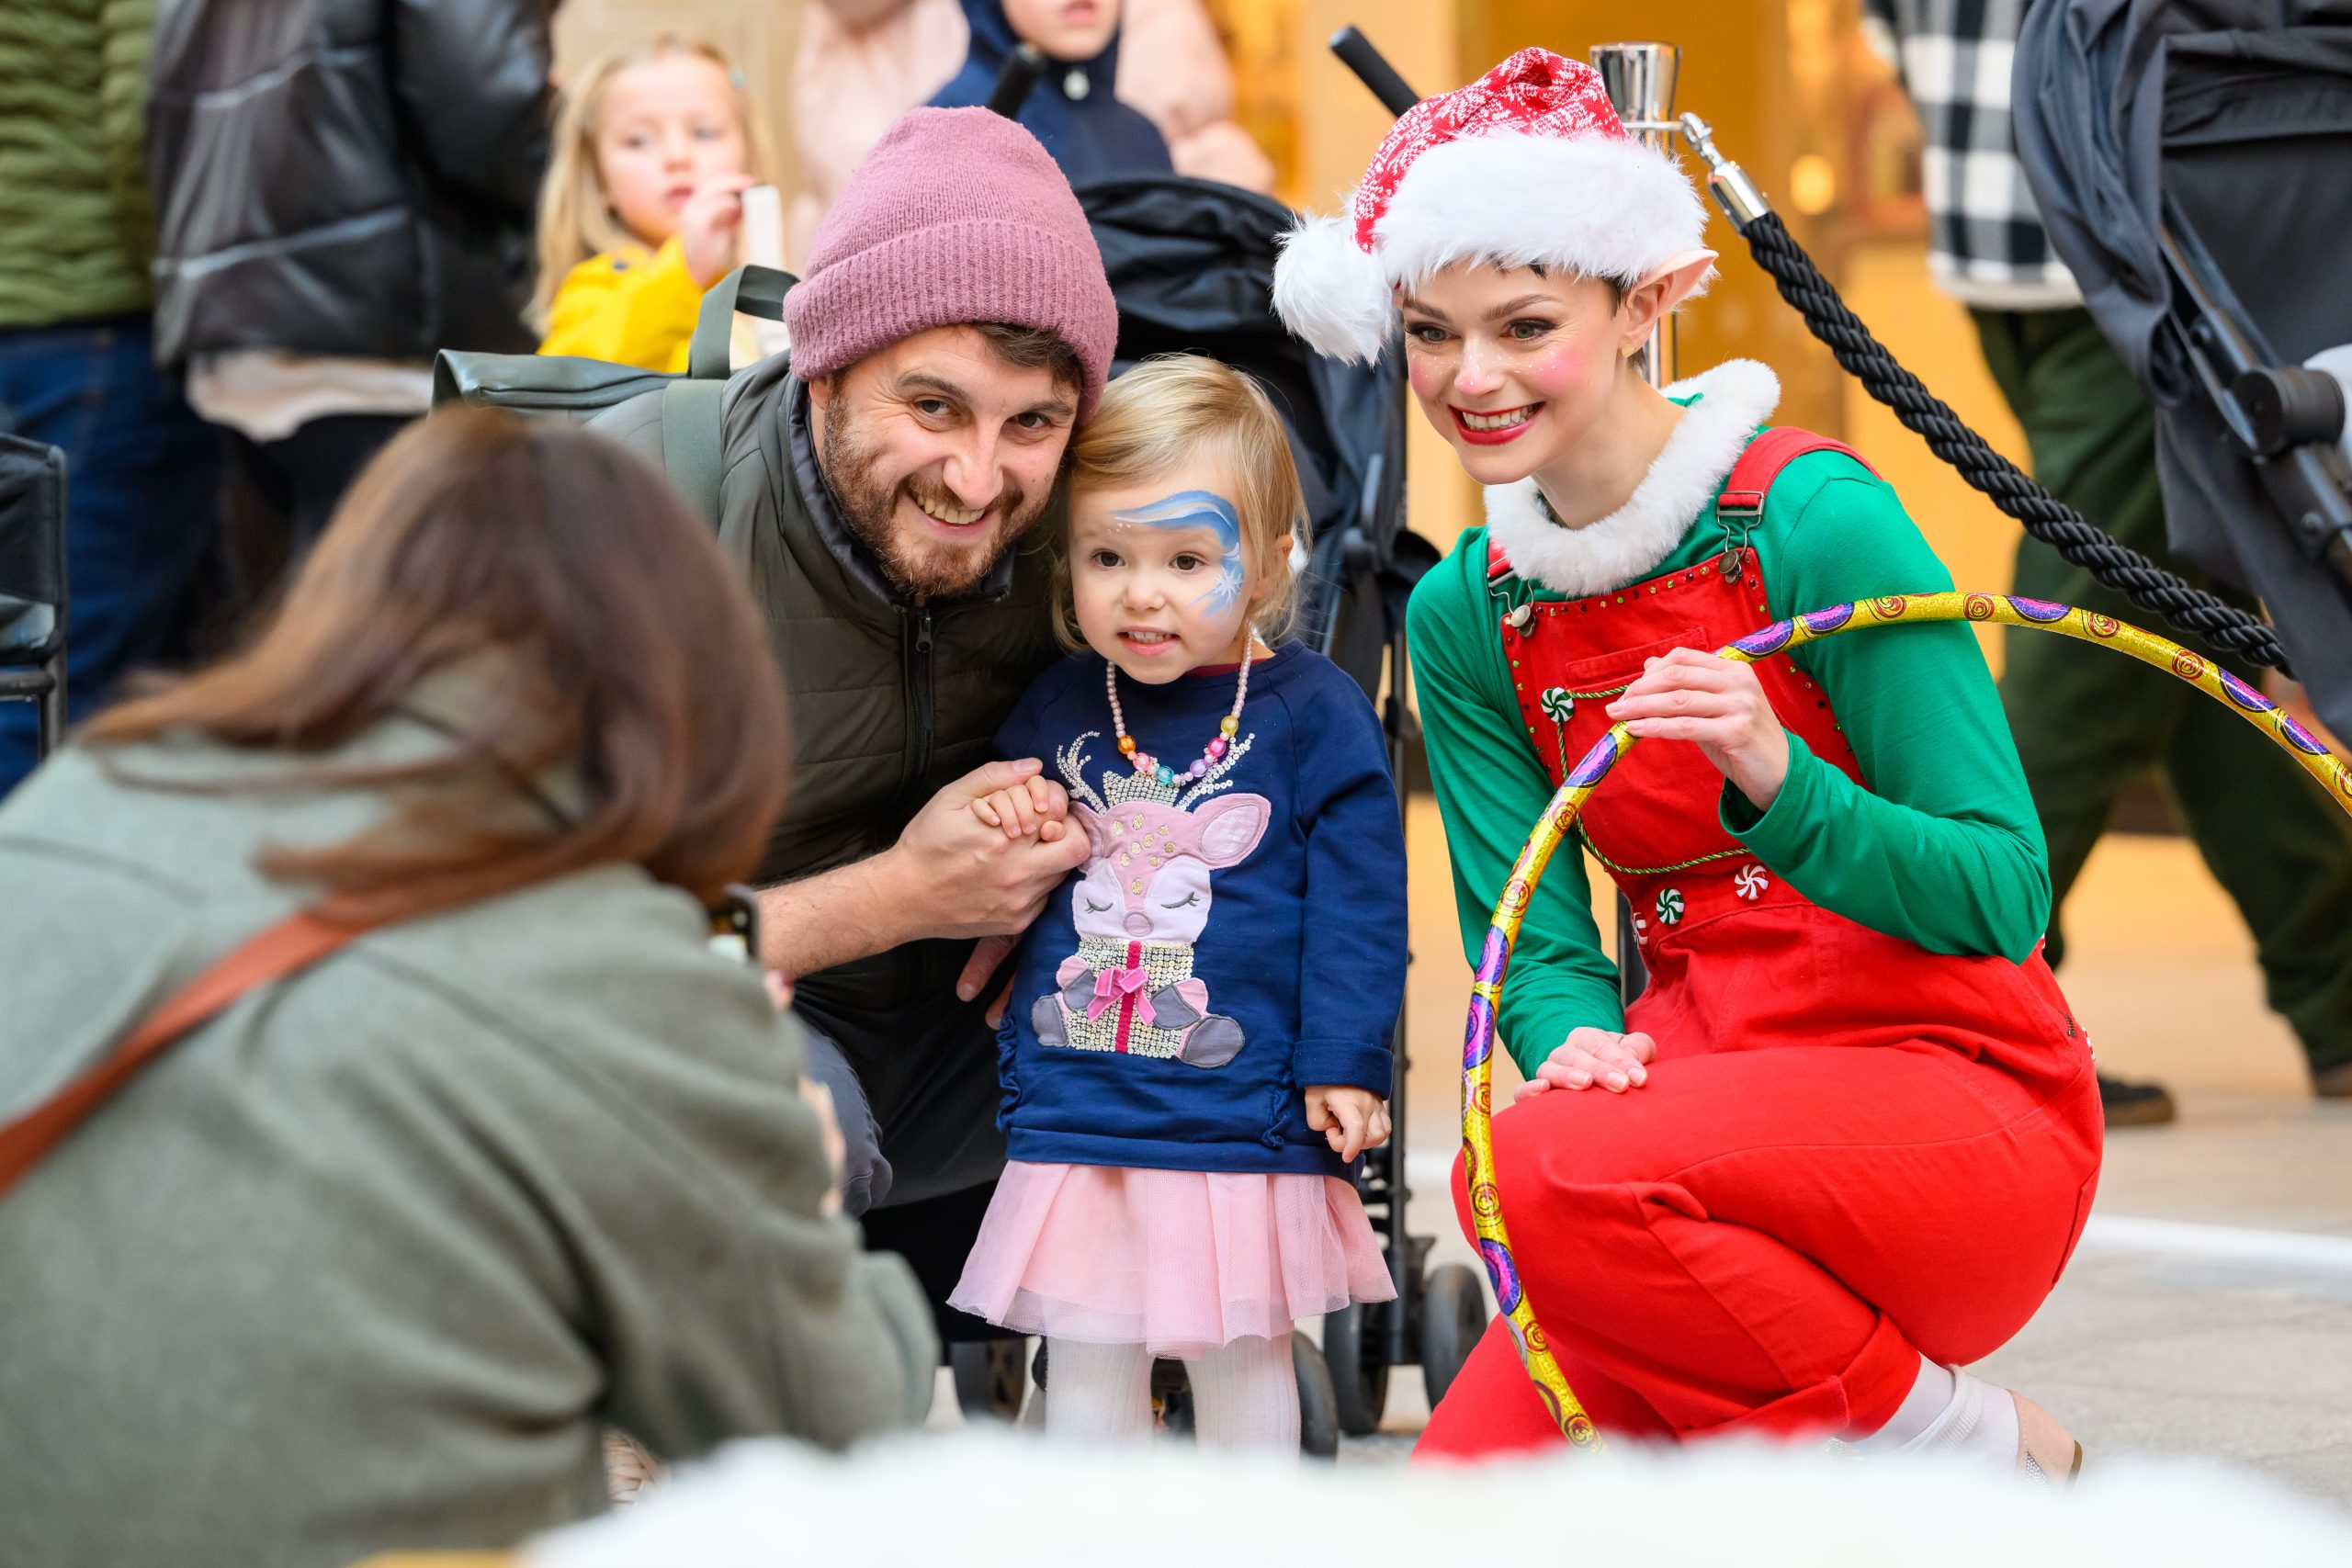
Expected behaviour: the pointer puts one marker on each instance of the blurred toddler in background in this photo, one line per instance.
(645, 202)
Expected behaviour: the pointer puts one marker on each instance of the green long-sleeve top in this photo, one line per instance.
(1942, 847)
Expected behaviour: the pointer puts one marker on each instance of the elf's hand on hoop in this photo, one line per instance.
(1613, 1061)
(1719, 704)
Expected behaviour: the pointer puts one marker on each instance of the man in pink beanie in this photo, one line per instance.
(955, 327)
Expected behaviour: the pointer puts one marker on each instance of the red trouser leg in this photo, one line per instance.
(1491, 1407)
(1757, 1240)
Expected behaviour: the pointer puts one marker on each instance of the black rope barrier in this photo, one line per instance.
(2044, 516)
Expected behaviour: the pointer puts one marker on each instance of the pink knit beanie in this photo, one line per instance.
(957, 216)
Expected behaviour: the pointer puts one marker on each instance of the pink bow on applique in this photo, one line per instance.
(1111, 982)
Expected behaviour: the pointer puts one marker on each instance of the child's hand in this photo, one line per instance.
(1039, 807)
(1352, 1120)
(707, 226)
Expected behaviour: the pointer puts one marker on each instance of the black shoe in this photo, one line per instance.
(2134, 1104)
(2333, 1083)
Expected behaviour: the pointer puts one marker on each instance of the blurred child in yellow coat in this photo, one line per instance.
(643, 208)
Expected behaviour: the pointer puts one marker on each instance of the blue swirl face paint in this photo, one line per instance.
(1200, 509)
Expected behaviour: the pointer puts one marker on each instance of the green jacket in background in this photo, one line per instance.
(367, 1262)
(76, 230)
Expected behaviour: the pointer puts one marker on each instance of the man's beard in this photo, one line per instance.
(915, 563)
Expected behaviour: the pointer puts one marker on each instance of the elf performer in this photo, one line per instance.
(1846, 1139)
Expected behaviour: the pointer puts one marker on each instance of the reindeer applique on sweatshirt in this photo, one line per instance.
(1139, 906)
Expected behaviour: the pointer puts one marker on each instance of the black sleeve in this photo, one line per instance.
(471, 80)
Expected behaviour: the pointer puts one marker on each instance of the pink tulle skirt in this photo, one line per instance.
(1178, 1261)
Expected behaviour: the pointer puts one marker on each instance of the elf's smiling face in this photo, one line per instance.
(1512, 364)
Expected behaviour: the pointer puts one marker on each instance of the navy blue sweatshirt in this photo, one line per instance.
(1230, 943)
(1090, 134)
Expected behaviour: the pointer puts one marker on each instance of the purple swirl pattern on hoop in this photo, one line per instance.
(1478, 1038)
(2042, 612)
(1770, 640)
(1493, 956)
(2246, 696)
(1502, 1271)
(1821, 623)
(1597, 761)
(2301, 740)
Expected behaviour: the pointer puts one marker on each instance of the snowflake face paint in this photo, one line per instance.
(1159, 577)
(1200, 509)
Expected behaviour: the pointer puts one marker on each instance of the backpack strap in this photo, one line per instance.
(292, 944)
(693, 405)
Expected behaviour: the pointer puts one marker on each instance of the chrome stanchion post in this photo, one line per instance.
(1639, 79)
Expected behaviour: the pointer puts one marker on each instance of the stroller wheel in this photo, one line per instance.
(1358, 1371)
(1318, 1405)
(991, 1377)
(1454, 1319)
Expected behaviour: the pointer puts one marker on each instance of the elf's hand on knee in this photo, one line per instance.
(1613, 1061)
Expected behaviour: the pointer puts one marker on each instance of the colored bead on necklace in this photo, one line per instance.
(1151, 766)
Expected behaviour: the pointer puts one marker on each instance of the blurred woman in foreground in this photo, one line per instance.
(369, 1259)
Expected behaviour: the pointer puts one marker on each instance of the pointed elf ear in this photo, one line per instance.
(1682, 275)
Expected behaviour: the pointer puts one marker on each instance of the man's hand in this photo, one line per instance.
(1690, 695)
(1616, 1062)
(950, 874)
(969, 879)
(1352, 1120)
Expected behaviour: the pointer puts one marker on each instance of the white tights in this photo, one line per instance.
(1244, 1394)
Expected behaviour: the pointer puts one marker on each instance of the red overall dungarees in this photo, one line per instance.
(1851, 1151)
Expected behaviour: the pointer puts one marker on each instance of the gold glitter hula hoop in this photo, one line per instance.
(1502, 932)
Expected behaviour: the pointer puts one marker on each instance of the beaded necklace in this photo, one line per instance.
(1151, 766)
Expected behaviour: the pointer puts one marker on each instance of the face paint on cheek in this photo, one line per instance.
(1200, 509)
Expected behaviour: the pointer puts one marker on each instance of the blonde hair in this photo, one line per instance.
(575, 220)
(1176, 407)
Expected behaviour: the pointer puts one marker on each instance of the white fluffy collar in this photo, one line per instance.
(1733, 398)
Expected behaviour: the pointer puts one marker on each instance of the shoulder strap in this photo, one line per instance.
(292, 944)
(1751, 478)
(691, 406)
(691, 411)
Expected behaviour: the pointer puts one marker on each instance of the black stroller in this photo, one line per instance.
(1191, 263)
(2192, 160)
(32, 583)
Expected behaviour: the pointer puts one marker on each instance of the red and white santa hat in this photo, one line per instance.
(1527, 163)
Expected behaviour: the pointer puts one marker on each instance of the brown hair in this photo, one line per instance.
(1169, 409)
(587, 620)
(575, 220)
(1033, 348)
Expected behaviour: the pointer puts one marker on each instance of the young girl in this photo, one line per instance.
(1198, 1041)
(643, 207)
(1847, 1136)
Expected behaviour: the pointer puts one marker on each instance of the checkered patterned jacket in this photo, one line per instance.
(1986, 245)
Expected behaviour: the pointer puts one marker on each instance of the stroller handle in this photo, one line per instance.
(1023, 68)
(1371, 68)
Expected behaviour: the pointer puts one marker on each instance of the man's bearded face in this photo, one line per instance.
(941, 454)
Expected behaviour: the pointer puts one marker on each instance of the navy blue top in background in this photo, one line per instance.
(1299, 956)
(1091, 136)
